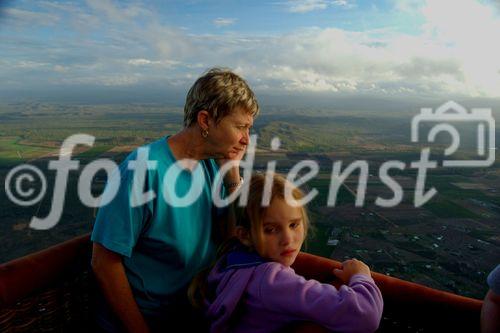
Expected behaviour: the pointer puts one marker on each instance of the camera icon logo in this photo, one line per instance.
(452, 112)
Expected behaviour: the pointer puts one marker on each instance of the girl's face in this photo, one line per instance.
(282, 232)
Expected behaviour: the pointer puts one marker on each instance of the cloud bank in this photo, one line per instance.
(106, 43)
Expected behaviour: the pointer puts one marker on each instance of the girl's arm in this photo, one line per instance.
(356, 307)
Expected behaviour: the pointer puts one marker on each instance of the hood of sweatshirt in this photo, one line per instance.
(227, 282)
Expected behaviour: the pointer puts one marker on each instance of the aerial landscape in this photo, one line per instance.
(448, 243)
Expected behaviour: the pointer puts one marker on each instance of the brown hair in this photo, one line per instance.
(218, 91)
(250, 216)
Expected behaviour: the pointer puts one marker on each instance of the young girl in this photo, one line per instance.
(253, 289)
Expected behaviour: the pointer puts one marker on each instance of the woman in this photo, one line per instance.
(148, 243)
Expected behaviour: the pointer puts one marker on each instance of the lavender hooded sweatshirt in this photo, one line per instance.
(253, 295)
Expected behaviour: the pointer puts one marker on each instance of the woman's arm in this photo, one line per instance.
(110, 274)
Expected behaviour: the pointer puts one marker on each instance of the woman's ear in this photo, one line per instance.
(203, 119)
(243, 236)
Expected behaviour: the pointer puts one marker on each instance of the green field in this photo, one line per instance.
(13, 152)
(32, 130)
(448, 209)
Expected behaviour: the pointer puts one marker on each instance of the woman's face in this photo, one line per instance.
(282, 232)
(231, 136)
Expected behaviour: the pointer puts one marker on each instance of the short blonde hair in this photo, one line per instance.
(218, 91)
(251, 216)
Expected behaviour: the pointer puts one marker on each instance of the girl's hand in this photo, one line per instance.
(350, 268)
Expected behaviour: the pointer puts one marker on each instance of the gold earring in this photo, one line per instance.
(204, 133)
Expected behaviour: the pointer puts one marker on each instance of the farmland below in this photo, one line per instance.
(449, 243)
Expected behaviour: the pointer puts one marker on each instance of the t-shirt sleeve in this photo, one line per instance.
(494, 280)
(353, 308)
(118, 224)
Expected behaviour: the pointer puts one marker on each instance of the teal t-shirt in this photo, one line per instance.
(164, 242)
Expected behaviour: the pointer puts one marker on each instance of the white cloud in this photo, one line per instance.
(344, 3)
(446, 58)
(470, 29)
(223, 22)
(169, 42)
(107, 80)
(334, 60)
(67, 7)
(408, 6)
(115, 13)
(81, 20)
(30, 64)
(304, 6)
(139, 62)
(20, 16)
(146, 62)
(456, 54)
(118, 80)
(60, 69)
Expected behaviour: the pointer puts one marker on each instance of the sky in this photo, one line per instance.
(439, 49)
